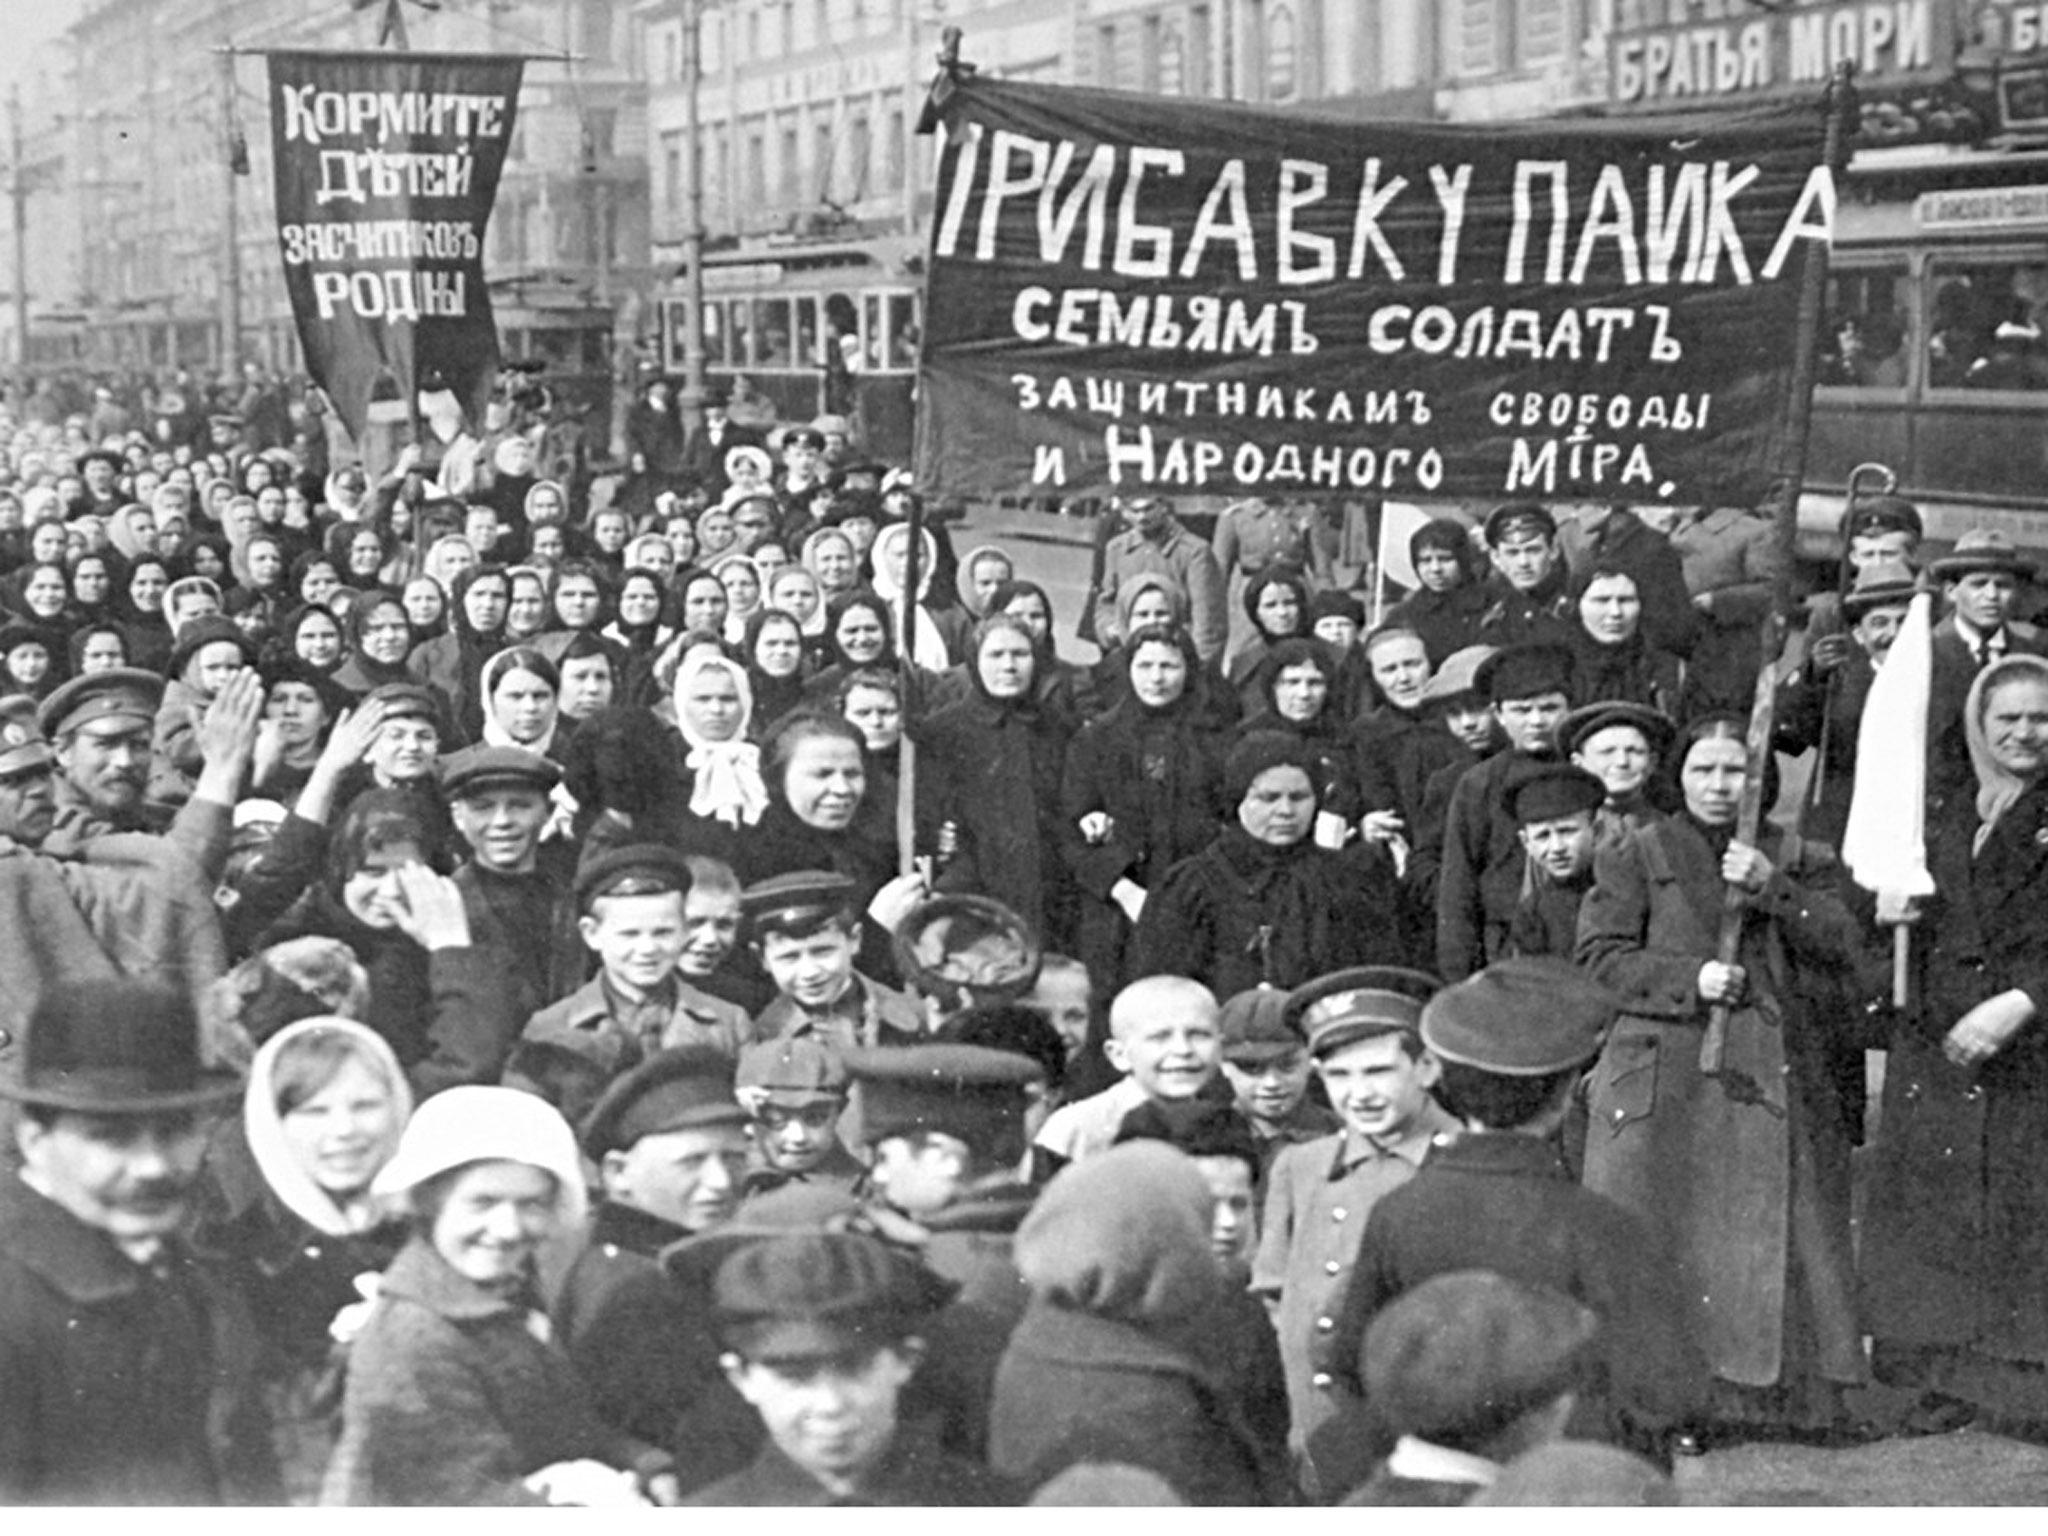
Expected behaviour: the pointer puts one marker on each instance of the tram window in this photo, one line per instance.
(809, 350)
(1987, 325)
(714, 334)
(771, 333)
(1863, 340)
(842, 331)
(741, 350)
(874, 330)
(903, 332)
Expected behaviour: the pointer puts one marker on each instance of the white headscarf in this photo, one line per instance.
(929, 650)
(512, 659)
(288, 1179)
(726, 783)
(1997, 788)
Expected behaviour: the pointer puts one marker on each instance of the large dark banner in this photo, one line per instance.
(387, 164)
(1132, 291)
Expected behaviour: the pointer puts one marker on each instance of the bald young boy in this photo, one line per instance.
(1166, 1038)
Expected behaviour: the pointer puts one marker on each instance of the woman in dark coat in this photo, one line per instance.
(1612, 659)
(289, 1209)
(1143, 789)
(1112, 1361)
(1744, 1176)
(1262, 903)
(476, 632)
(1276, 601)
(1952, 1253)
(1297, 696)
(990, 768)
(140, 612)
(1445, 609)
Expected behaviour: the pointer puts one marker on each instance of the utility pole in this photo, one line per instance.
(17, 190)
(692, 400)
(231, 254)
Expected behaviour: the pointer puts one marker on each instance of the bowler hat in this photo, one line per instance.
(1982, 549)
(115, 1046)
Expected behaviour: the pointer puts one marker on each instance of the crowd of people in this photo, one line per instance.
(676, 989)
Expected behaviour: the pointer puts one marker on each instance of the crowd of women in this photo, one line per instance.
(748, 670)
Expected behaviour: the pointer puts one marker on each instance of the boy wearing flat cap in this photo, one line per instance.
(1362, 1031)
(806, 931)
(1512, 1043)
(823, 1331)
(669, 1141)
(631, 900)
(1466, 1372)
(795, 1092)
(1265, 1060)
(1554, 804)
(1472, 858)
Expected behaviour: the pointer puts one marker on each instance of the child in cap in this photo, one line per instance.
(805, 929)
(1362, 1029)
(811, 1317)
(1267, 1066)
(795, 1094)
(631, 904)
(1554, 804)
(1165, 1037)
(1512, 1043)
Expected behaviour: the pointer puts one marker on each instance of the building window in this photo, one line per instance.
(821, 162)
(1169, 67)
(672, 174)
(787, 187)
(601, 131)
(1477, 39)
(859, 151)
(753, 35)
(757, 168)
(597, 30)
(892, 151)
(1281, 54)
(1105, 53)
(1541, 31)
(672, 51)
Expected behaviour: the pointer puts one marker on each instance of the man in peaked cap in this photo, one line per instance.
(630, 904)
(28, 805)
(1469, 860)
(515, 890)
(670, 1144)
(805, 929)
(795, 1090)
(823, 1332)
(1512, 1042)
(946, 1127)
(101, 726)
(1467, 1372)
(1554, 805)
(1527, 597)
(1362, 1029)
(130, 1372)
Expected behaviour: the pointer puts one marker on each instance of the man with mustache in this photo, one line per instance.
(129, 1365)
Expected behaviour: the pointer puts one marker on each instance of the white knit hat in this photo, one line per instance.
(475, 1125)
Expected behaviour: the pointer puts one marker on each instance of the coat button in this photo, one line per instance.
(1973, 1094)
(1332, 1267)
(1338, 1213)
(1321, 1379)
(1325, 1324)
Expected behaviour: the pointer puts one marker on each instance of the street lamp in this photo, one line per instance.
(692, 399)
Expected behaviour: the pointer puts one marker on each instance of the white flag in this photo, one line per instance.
(1885, 843)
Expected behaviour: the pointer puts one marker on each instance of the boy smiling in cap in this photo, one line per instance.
(795, 1093)
(1362, 1031)
(806, 933)
(1513, 1042)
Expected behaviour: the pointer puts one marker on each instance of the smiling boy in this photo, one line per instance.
(1165, 1036)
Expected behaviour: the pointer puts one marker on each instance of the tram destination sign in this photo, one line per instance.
(387, 166)
(1127, 292)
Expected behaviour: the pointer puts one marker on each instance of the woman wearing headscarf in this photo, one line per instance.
(446, 559)
(1062, 683)
(1951, 1247)
(1262, 904)
(208, 555)
(527, 610)
(455, 1394)
(316, 637)
(95, 578)
(521, 691)
(773, 648)
(98, 646)
(1142, 790)
(1446, 607)
(1115, 1358)
(359, 552)
(928, 646)
(476, 632)
(714, 706)
(831, 555)
(1758, 1148)
(1612, 658)
(1276, 603)
(741, 579)
(1297, 693)
(858, 630)
(377, 639)
(989, 768)
(132, 530)
(794, 590)
(288, 1209)
(33, 658)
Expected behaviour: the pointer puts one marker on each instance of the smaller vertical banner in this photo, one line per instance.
(387, 165)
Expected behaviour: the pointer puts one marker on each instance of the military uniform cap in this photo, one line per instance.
(966, 1091)
(1459, 675)
(1881, 584)
(118, 693)
(1525, 672)
(679, 1089)
(1344, 1006)
(1883, 514)
(799, 896)
(820, 1295)
(1512, 517)
(640, 869)
(1466, 1353)
(1587, 719)
(22, 746)
(803, 437)
(1255, 1027)
(1549, 791)
(799, 1070)
(476, 769)
(1524, 1017)
(209, 629)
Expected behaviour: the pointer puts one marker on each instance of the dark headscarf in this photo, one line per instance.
(774, 697)
(860, 597)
